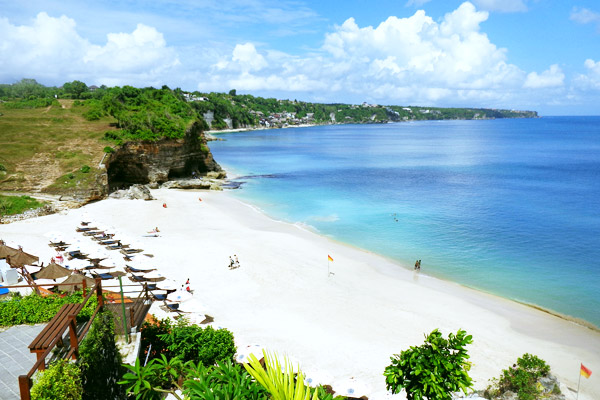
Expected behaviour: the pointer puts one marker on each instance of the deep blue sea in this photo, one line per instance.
(511, 207)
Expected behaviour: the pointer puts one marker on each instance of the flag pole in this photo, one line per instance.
(578, 383)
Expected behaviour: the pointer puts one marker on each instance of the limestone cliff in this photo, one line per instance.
(153, 163)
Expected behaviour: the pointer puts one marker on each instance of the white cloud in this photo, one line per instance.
(585, 16)
(502, 5)
(551, 78)
(414, 59)
(590, 80)
(51, 48)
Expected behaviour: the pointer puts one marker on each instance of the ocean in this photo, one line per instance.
(508, 206)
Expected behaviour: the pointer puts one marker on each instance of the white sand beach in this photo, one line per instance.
(342, 326)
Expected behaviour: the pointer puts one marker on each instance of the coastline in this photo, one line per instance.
(346, 325)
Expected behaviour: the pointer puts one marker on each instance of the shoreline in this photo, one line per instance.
(309, 228)
(348, 324)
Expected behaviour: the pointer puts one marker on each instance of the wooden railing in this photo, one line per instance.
(68, 322)
(25, 381)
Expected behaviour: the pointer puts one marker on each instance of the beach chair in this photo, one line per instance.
(159, 296)
(131, 251)
(138, 270)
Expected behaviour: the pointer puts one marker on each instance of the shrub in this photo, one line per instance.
(151, 333)
(100, 360)
(93, 114)
(61, 381)
(10, 205)
(194, 343)
(109, 150)
(521, 378)
(433, 370)
(2, 167)
(150, 382)
(224, 381)
(35, 309)
(85, 169)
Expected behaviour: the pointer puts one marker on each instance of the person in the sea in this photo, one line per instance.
(416, 265)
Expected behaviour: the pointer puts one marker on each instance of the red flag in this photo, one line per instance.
(585, 372)
(329, 257)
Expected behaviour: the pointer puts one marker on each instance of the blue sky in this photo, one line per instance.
(539, 55)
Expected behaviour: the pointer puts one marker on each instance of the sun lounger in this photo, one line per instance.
(107, 242)
(159, 297)
(134, 270)
(104, 236)
(138, 278)
(131, 251)
(117, 246)
(86, 229)
(92, 233)
(103, 276)
(58, 244)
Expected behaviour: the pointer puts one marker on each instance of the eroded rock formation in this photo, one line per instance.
(154, 163)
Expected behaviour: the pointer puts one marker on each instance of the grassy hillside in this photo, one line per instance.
(48, 146)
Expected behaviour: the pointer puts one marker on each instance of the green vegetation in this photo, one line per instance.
(433, 370)
(36, 309)
(61, 381)
(188, 342)
(522, 379)
(39, 124)
(161, 375)
(100, 360)
(11, 205)
(280, 380)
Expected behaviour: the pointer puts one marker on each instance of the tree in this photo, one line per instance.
(433, 370)
(232, 92)
(75, 88)
(100, 360)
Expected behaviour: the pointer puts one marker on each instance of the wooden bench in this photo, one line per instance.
(56, 328)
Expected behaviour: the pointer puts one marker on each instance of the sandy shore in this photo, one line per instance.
(341, 326)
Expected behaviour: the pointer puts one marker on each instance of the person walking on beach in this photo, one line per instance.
(230, 262)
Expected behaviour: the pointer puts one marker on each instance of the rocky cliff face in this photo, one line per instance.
(157, 162)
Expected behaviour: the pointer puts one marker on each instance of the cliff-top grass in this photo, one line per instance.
(40, 145)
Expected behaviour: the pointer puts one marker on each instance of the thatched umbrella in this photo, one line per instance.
(52, 271)
(6, 250)
(21, 258)
(78, 279)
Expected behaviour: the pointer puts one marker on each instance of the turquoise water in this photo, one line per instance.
(511, 207)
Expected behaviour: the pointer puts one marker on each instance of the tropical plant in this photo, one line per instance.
(61, 381)
(100, 360)
(280, 381)
(522, 379)
(152, 381)
(194, 343)
(223, 381)
(433, 370)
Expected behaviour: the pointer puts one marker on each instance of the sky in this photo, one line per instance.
(541, 55)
